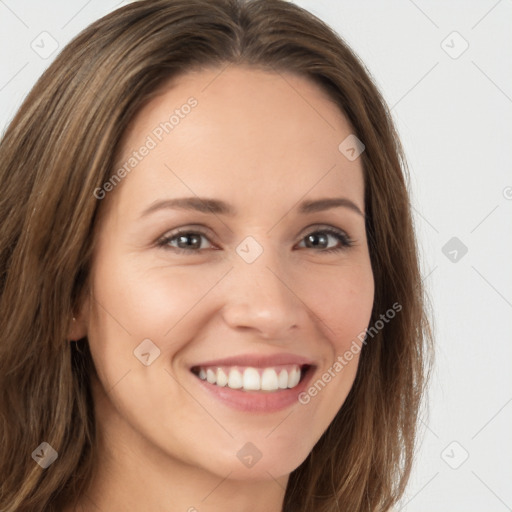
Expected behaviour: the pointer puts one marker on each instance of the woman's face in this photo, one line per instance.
(259, 288)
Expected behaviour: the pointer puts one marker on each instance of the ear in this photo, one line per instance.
(78, 324)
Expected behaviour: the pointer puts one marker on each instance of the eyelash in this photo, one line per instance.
(345, 240)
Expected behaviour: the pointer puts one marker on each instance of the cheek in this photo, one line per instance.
(343, 302)
(343, 305)
(132, 305)
(136, 303)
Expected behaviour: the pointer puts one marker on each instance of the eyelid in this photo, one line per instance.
(319, 227)
(189, 228)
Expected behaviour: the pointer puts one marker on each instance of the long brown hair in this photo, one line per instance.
(62, 145)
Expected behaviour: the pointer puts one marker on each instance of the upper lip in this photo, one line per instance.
(258, 360)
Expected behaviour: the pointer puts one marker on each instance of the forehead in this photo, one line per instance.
(275, 134)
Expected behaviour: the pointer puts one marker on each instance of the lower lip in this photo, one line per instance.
(257, 401)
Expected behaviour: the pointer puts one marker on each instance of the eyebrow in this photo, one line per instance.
(217, 206)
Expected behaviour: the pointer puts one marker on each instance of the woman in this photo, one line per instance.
(210, 291)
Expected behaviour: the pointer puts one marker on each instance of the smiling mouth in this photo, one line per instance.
(246, 378)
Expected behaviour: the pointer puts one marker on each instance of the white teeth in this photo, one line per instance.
(283, 379)
(253, 379)
(222, 378)
(235, 379)
(293, 378)
(211, 376)
(269, 380)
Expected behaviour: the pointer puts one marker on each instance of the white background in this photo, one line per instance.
(454, 116)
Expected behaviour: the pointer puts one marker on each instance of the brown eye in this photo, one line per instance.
(320, 240)
(184, 241)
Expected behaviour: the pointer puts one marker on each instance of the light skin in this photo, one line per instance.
(262, 142)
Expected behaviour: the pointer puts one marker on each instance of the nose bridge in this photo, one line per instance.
(258, 293)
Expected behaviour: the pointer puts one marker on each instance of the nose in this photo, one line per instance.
(260, 296)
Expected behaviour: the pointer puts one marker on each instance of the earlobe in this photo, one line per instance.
(77, 327)
(76, 330)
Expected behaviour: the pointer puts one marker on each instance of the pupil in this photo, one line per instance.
(314, 239)
(195, 240)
